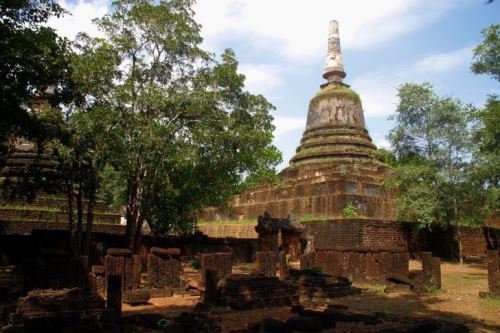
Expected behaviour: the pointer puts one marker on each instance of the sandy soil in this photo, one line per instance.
(458, 301)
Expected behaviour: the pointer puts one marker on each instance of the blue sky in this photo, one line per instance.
(281, 46)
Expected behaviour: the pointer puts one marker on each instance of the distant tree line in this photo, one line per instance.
(143, 117)
(445, 154)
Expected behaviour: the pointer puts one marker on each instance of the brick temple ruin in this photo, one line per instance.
(335, 165)
(298, 266)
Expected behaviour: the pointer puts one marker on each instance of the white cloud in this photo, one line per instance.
(262, 78)
(297, 30)
(382, 143)
(378, 89)
(80, 20)
(443, 62)
(288, 124)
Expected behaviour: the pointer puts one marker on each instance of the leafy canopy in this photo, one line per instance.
(184, 131)
(487, 53)
(431, 143)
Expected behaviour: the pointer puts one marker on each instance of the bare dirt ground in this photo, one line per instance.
(458, 301)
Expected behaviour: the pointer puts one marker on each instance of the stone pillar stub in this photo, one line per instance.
(493, 272)
(114, 293)
(436, 272)
(426, 267)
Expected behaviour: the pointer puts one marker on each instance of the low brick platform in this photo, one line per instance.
(320, 290)
(121, 262)
(137, 296)
(361, 265)
(53, 310)
(244, 292)
(164, 268)
(220, 262)
(267, 263)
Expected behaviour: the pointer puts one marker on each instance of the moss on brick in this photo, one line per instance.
(336, 91)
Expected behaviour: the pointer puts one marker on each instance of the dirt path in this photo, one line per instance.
(458, 300)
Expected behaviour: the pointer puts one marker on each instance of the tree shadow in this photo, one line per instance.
(412, 304)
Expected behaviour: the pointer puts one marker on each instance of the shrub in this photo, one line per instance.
(350, 211)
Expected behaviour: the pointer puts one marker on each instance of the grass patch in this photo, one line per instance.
(226, 222)
(310, 218)
(377, 288)
(336, 91)
(247, 267)
(31, 208)
(490, 303)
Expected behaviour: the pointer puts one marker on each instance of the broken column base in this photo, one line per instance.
(136, 296)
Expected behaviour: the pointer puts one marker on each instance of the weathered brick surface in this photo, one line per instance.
(267, 263)
(137, 296)
(268, 242)
(210, 293)
(361, 265)
(431, 270)
(50, 310)
(436, 272)
(128, 268)
(219, 262)
(426, 267)
(26, 227)
(44, 216)
(358, 235)
(164, 268)
(307, 260)
(494, 272)
(283, 265)
(245, 292)
(292, 244)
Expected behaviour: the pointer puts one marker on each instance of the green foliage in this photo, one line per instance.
(196, 264)
(229, 222)
(33, 59)
(432, 173)
(386, 156)
(336, 91)
(487, 53)
(486, 157)
(183, 132)
(350, 211)
(316, 271)
(112, 189)
(163, 323)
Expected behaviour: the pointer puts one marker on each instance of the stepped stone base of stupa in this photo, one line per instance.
(323, 190)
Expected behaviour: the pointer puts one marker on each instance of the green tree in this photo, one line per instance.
(487, 53)
(431, 142)
(185, 131)
(486, 158)
(35, 60)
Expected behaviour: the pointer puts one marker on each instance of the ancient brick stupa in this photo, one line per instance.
(335, 166)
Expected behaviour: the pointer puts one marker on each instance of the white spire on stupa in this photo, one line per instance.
(334, 68)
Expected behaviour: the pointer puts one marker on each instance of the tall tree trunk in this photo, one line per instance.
(73, 239)
(138, 234)
(459, 232)
(79, 223)
(134, 198)
(460, 249)
(79, 207)
(90, 219)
